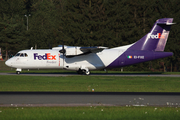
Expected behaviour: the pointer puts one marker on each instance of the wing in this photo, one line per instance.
(72, 51)
(78, 51)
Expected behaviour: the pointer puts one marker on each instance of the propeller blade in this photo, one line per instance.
(63, 50)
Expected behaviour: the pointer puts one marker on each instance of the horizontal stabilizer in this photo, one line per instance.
(166, 23)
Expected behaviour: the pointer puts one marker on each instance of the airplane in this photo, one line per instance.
(85, 59)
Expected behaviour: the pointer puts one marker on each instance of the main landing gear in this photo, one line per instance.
(83, 71)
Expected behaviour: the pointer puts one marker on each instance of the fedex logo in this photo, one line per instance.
(157, 36)
(47, 56)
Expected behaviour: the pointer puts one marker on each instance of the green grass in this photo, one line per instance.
(3, 67)
(87, 83)
(89, 113)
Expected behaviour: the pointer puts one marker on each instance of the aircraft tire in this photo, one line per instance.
(18, 72)
(87, 72)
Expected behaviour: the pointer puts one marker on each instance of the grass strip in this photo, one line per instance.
(87, 83)
(89, 113)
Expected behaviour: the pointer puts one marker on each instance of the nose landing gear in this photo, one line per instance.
(18, 71)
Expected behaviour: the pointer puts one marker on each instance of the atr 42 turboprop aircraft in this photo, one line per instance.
(84, 59)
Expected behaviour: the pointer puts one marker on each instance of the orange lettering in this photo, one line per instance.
(53, 57)
(48, 56)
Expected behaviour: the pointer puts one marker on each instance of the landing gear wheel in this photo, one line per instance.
(18, 72)
(87, 72)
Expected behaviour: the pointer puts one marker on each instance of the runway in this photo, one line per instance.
(33, 99)
(94, 74)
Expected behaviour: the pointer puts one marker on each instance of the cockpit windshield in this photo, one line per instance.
(17, 54)
(21, 55)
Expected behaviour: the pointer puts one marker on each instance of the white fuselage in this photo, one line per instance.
(53, 59)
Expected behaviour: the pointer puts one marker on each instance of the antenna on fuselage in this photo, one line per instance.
(31, 48)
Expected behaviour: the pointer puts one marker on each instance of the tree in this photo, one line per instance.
(45, 24)
(12, 26)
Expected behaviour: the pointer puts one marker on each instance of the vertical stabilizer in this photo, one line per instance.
(156, 39)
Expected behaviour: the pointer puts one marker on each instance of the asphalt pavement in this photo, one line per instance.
(89, 99)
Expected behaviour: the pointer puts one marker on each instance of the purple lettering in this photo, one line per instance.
(36, 55)
(39, 57)
(47, 56)
(43, 57)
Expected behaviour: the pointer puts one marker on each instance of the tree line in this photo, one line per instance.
(49, 23)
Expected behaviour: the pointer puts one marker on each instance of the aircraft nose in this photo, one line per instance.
(8, 63)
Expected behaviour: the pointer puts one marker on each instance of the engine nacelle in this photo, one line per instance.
(72, 51)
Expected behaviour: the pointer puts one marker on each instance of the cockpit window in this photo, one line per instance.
(17, 54)
(21, 55)
(26, 55)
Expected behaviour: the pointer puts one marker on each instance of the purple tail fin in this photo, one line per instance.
(156, 39)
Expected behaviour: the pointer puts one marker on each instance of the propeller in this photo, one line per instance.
(63, 51)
